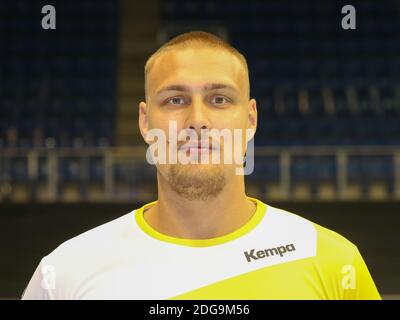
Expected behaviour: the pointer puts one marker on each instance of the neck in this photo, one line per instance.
(179, 217)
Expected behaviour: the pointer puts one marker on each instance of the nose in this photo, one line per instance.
(198, 117)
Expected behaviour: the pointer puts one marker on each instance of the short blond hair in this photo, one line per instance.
(193, 39)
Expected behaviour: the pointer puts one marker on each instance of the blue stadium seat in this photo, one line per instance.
(367, 169)
(69, 170)
(19, 170)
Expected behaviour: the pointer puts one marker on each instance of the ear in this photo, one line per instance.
(143, 120)
(252, 117)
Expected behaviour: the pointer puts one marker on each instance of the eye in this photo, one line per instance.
(176, 101)
(219, 100)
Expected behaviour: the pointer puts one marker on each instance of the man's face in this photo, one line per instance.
(199, 89)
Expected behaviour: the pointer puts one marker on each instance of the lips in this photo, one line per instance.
(197, 146)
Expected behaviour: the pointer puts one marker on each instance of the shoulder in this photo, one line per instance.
(89, 248)
(328, 242)
(101, 235)
(63, 273)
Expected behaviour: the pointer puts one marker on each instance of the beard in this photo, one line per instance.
(197, 181)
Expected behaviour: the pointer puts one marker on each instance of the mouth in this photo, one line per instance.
(198, 148)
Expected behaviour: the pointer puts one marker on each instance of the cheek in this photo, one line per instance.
(158, 122)
(237, 124)
(170, 127)
(162, 120)
(232, 120)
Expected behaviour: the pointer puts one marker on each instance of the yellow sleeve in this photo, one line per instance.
(359, 284)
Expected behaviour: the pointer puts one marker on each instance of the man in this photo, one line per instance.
(204, 238)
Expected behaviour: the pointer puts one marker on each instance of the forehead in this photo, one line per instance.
(195, 67)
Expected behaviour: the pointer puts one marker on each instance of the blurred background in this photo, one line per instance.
(327, 143)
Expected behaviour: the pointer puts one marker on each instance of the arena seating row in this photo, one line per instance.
(58, 87)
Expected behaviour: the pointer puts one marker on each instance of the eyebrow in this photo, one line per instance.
(206, 87)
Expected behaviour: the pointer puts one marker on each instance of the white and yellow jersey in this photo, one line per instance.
(275, 255)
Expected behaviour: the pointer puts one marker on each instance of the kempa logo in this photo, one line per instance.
(255, 255)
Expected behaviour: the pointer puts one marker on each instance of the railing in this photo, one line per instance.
(41, 174)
